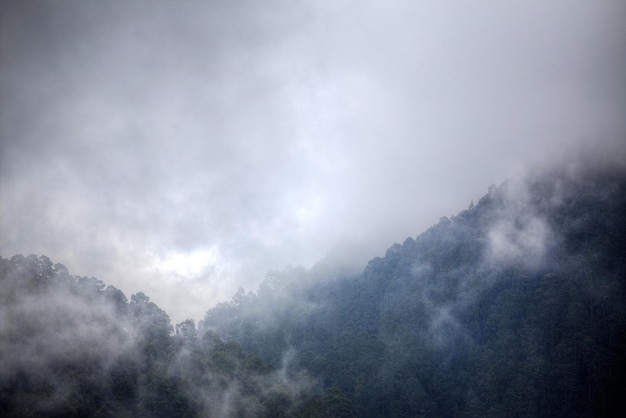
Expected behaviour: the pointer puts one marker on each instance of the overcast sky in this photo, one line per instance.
(185, 148)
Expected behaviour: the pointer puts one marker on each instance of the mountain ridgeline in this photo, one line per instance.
(514, 307)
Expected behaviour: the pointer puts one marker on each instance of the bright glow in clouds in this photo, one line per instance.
(188, 265)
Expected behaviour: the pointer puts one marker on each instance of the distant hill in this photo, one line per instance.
(514, 307)
(72, 347)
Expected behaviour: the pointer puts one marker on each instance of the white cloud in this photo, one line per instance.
(187, 265)
(523, 240)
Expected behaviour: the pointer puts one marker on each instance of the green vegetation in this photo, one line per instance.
(512, 308)
(72, 347)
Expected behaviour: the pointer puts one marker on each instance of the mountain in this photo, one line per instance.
(513, 307)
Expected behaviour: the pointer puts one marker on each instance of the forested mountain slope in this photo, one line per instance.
(71, 347)
(512, 308)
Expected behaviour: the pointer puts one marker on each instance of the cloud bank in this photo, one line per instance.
(184, 149)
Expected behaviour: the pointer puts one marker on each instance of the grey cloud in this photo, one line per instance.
(520, 235)
(131, 130)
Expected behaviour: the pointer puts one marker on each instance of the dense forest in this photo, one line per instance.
(72, 347)
(514, 307)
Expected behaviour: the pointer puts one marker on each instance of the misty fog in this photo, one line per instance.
(184, 149)
(312, 209)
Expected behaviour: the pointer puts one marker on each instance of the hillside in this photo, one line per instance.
(72, 347)
(513, 307)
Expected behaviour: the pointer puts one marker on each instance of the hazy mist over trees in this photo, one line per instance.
(513, 307)
(72, 346)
